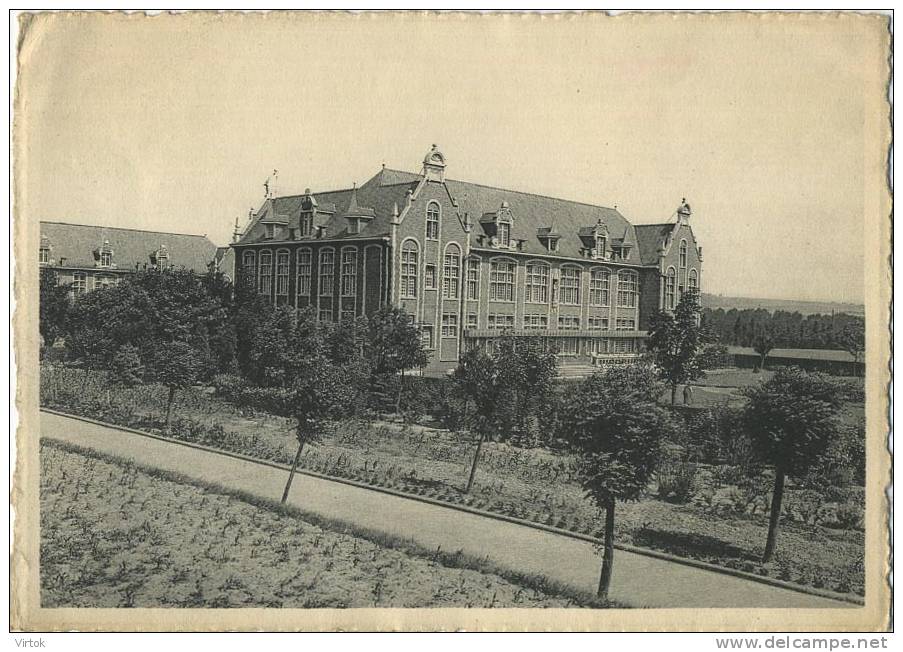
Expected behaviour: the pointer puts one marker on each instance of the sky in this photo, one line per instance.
(174, 123)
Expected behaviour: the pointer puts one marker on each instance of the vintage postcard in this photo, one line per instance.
(440, 321)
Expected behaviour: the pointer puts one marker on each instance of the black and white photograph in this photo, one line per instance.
(423, 321)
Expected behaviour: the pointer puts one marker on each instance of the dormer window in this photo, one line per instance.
(160, 258)
(503, 234)
(106, 258)
(103, 255)
(548, 238)
(601, 240)
(553, 245)
(269, 231)
(497, 226)
(307, 224)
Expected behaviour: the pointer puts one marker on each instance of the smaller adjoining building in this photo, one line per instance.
(91, 257)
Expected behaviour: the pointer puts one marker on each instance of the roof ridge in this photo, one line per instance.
(521, 192)
(127, 228)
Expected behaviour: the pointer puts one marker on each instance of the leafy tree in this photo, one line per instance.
(176, 365)
(53, 307)
(614, 424)
(763, 343)
(675, 342)
(126, 368)
(322, 394)
(791, 420)
(476, 379)
(852, 339)
(527, 372)
(249, 310)
(394, 345)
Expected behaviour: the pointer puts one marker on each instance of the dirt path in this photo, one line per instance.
(638, 580)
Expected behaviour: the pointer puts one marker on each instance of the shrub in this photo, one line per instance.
(676, 479)
(803, 505)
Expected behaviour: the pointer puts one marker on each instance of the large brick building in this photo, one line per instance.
(89, 257)
(469, 262)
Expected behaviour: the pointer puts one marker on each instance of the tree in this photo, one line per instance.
(53, 307)
(176, 365)
(527, 372)
(126, 368)
(394, 345)
(322, 394)
(476, 378)
(791, 420)
(614, 424)
(763, 343)
(852, 340)
(676, 341)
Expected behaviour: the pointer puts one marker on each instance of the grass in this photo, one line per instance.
(722, 526)
(114, 534)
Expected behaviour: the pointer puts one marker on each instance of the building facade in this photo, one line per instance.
(92, 257)
(470, 262)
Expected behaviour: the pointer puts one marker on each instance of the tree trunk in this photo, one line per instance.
(774, 518)
(673, 393)
(608, 551)
(476, 458)
(762, 357)
(172, 396)
(398, 396)
(291, 475)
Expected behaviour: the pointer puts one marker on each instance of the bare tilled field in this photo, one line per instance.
(113, 535)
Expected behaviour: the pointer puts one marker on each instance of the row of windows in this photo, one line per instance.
(80, 282)
(303, 269)
(573, 346)
(671, 285)
(541, 322)
(502, 278)
(105, 257)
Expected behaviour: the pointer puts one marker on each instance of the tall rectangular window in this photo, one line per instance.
(303, 271)
(449, 325)
(409, 271)
(79, 283)
(432, 221)
(627, 289)
(570, 286)
(426, 331)
(670, 282)
(349, 272)
(282, 273)
(503, 233)
(307, 223)
(599, 287)
(501, 280)
(568, 346)
(326, 273)
(473, 279)
(430, 276)
(537, 290)
(44, 255)
(265, 275)
(451, 273)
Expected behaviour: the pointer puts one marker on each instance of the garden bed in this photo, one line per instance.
(113, 535)
(725, 526)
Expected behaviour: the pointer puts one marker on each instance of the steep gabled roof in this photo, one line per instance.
(78, 242)
(650, 238)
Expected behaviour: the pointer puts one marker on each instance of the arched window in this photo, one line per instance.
(303, 265)
(451, 272)
(569, 288)
(409, 262)
(693, 280)
(326, 272)
(683, 254)
(537, 290)
(473, 278)
(670, 280)
(249, 265)
(282, 264)
(627, 289)
(265, 272)
(349, 272)
(599, 287)
(501, 280)
(432, 221)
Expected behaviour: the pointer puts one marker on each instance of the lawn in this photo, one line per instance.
(113, 535)
(723, 524)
